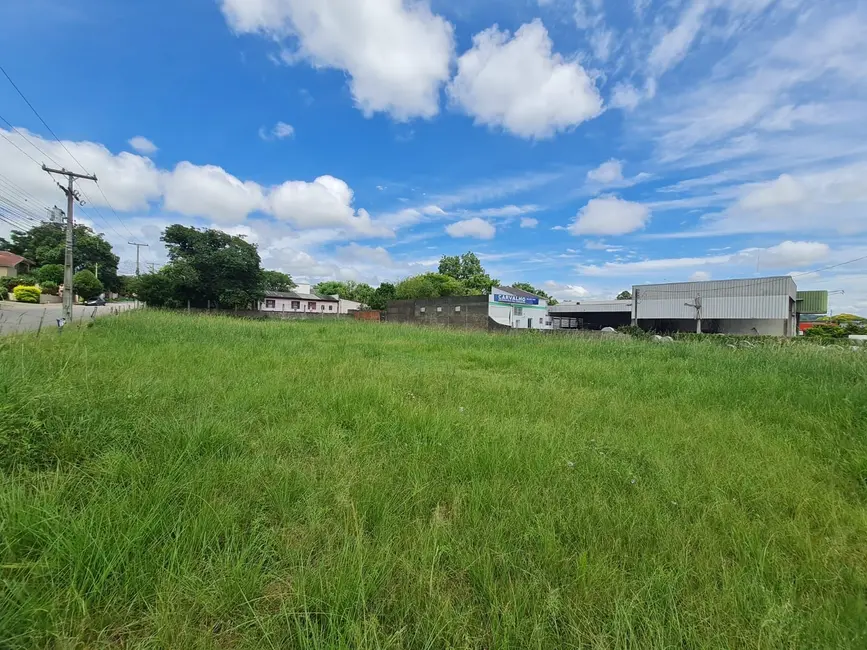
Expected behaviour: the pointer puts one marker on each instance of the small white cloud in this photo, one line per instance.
(625, 96)
(700, 276)
(609, 215)
(282, 130)
(519, 84)
(476, 228)
(279, 131)
(143, 145)
(607, 173)
(529, 222)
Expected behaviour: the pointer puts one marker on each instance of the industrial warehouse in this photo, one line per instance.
(770, 306)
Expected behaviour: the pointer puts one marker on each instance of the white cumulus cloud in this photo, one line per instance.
(519, 84)
(607, 173)
(210, 191)
(476, 228)
(529, 222)
(143, 145)
(396, 53)
(609, 215)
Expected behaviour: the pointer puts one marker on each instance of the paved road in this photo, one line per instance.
(21, 317)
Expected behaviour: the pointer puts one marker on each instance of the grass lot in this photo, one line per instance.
(198, 482)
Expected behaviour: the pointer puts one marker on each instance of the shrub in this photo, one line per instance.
(634, 331)
(85, 284)
(18, 280)
(50, 273)
(4, 292)
(49, 288)
(24, 293)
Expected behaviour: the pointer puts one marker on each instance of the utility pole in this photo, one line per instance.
(697, 306)
(137, 250)
(71, 198)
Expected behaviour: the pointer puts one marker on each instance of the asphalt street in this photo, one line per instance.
(20, 317)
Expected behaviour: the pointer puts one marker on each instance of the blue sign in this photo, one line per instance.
(515, 300)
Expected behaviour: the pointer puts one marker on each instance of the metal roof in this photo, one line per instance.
(587, 306)
(517, 292)
(11, 259)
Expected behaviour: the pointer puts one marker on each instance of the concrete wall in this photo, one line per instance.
(8, 272)
(367, 315)
(455, 311)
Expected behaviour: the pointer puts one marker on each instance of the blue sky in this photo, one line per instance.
(580, 146)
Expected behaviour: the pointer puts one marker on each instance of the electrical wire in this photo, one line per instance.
(60, 142)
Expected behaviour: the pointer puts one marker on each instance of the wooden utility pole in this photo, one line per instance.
(71, 198)
(137, 250)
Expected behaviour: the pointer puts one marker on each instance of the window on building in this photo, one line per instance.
(541, 320)
(321, 307)
(311, 306)
(458, 308)
(330, 307)
(270, 304)
(439, 310)
(423, 309)
(296, 304)
(519, 311)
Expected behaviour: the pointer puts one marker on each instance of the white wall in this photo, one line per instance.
(518, 316)
(285, 304)
(348, 305)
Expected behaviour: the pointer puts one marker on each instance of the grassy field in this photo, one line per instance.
(173, 481)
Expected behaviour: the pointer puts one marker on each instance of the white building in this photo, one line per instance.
(518, 309)
(759, 306)
(302, 299)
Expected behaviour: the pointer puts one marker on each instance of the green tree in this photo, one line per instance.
(468, 270)
(332, 288)
(384, 292)
(624, 295)
(429, 285)
(155, 289)
(529, 288)
(227, 268)
(5, 244)
(85, 284)
(277, 281)
(46, 244)
(843, 318)
(50, 273)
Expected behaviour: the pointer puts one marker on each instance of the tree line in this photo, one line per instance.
(208, 267)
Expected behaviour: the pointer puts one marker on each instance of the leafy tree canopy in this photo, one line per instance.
(277, 281)
(86, 285)
(384, 292)
(467, 269)
(843, 318)
(46, 244)
(529, 288)
(430, 285)
(209, 266)
(50, 273)
(624, 295)
(349, 290)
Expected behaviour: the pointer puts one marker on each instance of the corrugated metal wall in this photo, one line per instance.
(606, 306)
(813, 302)
(757, 298)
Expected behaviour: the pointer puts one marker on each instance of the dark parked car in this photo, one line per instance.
(96, 302)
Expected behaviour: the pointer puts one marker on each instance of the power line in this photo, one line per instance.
(29, 141)
(60, 142)
(20, 192)
(44, 123)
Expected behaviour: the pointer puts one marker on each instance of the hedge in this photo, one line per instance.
(24, 293)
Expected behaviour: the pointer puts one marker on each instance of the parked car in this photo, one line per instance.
(96, 302)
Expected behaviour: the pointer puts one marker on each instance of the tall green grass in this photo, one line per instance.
(173, 481)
